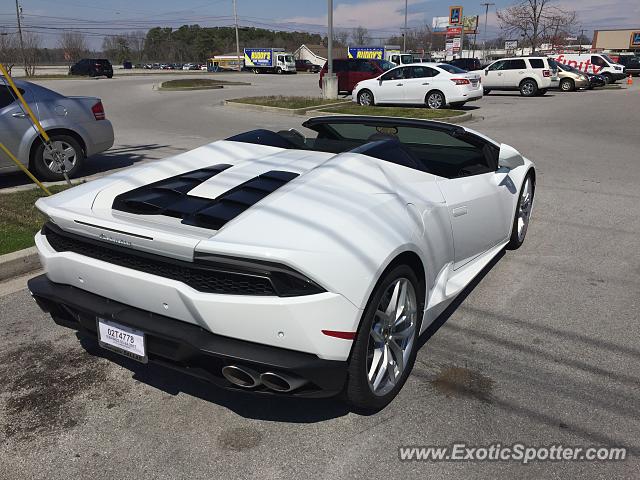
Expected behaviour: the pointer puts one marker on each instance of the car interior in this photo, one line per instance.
(443, 150)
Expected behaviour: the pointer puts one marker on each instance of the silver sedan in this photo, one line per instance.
(76, 125)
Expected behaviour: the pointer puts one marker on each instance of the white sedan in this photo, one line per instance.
(285, 264)
(435, 85)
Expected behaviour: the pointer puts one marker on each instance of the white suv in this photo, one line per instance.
(530, 75)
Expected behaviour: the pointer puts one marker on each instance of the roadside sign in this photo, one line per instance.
(449, 47)
(510, 44)
(454, 31)
(455, 15)
(470, 24)
(440, 24)
(635, 40)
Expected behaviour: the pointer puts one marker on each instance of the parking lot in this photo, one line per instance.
(541, 349)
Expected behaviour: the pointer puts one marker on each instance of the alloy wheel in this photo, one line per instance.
(365, 99)
(66, 153)
(435, 101)
(524, 210)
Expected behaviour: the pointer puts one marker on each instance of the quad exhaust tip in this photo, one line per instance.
(245, 377)
(281, 382)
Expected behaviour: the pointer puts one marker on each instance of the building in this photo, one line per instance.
(617, 40)
(317, 54)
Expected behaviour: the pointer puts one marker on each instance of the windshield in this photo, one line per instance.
(385, 65)
(288, 58)
(606, 57)
(451, 68)
(406, 58)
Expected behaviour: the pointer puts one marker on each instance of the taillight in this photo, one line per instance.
(98, 111)
(460, 81)
(546, 73)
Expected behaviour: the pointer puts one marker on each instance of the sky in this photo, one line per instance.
(384, 18)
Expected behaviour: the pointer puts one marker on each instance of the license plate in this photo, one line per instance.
(474, 83)
(121, 339)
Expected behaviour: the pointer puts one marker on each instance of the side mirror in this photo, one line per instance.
(509, 157)
(486, 72)
(380, 81)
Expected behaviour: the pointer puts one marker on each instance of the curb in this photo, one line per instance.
(19, 263)
(290, 111)
(160, 88)
(465, 117)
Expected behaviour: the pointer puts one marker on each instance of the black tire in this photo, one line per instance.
(528, 88)
(39, 163)
(607, 78)
(435, 100)
(567, 85)
(516, 241)
(279, 71)
(486, 91)
(363, 94)
(358, 392)
(457, 104)
(110, 76)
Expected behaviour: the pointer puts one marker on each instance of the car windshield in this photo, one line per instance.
(288, 58)
(606, 57)
(385, 65)
(451, 68)
(406, 58)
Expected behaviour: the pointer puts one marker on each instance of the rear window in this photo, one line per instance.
(536, 63)
(451, 68)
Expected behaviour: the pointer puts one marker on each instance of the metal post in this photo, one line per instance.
(486, 14)
(404, 35)
(235, 14)
(330, 39)
(24, 57)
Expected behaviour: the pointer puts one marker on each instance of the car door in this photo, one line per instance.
(390, 88)
(419, 80)
(514, 72)
(13, 124)
(493, 75)
(478, 198)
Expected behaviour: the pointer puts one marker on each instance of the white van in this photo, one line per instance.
(597, 63)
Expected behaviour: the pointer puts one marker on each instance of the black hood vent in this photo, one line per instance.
(170, 197)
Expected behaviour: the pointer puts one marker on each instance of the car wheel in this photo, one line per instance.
(279, 71)
(435, 100)
(567, 85)
(528, 88)
(70, 152)
(607, 78)
(365, 98)
(523, 213)
(385, 348)
(456, 104)
(486, 91)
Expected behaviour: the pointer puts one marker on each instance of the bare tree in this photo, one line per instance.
(136, 44)
(32, 42)
(340, 37)
(533, 20)
(73, 45)
(8, 49)
(360, 36)
(116, 48)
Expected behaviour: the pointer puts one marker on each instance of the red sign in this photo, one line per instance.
(454, 31)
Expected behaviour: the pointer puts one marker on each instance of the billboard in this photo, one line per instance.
(510, 44)
(455, 15)
(454, 31)
(634, 42)
(258, 57)
(470, 24)
(372, 53)
(439, 24)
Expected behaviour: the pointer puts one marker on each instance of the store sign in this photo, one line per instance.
(510, 44)
(455, 15)
(454, 31)
(635, 40)
(440, 24)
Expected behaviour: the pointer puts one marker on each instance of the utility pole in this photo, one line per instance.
(24, 57)
(235, 14)
(579, 40)
(330, 38)
(404, 35)
(486, 15)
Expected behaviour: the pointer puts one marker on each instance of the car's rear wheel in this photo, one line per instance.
(435, 100)
(365, 98)
(69, 152)
(567, 85)
(385, 348)
(523, 213)
(528, 88)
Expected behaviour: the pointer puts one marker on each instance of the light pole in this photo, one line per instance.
(235, 14)
(24, 57)
(330, 81)
(404, 35)
(486, 14)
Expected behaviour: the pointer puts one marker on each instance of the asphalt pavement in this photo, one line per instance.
(542, 349)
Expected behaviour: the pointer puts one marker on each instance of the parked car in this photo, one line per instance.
(301, 278)
(530, 75)
(93, 67)
(76, 125)
(307, 66)
(468, 64)
(631, 64)
(350, 71)
(594, 63)
(571, 78)
(430, 84)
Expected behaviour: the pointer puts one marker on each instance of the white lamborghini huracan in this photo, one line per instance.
(285, 263)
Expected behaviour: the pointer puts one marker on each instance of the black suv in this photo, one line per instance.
(468, 64)
(94, 67)
(631, 64)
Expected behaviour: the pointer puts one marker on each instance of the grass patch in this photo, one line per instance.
(19, 219)
(285, 102)
(409, 112)
(198, 83)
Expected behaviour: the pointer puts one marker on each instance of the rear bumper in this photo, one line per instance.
(188, 348)
(98, 136)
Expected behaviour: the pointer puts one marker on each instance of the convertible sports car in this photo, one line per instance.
(285, 263)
